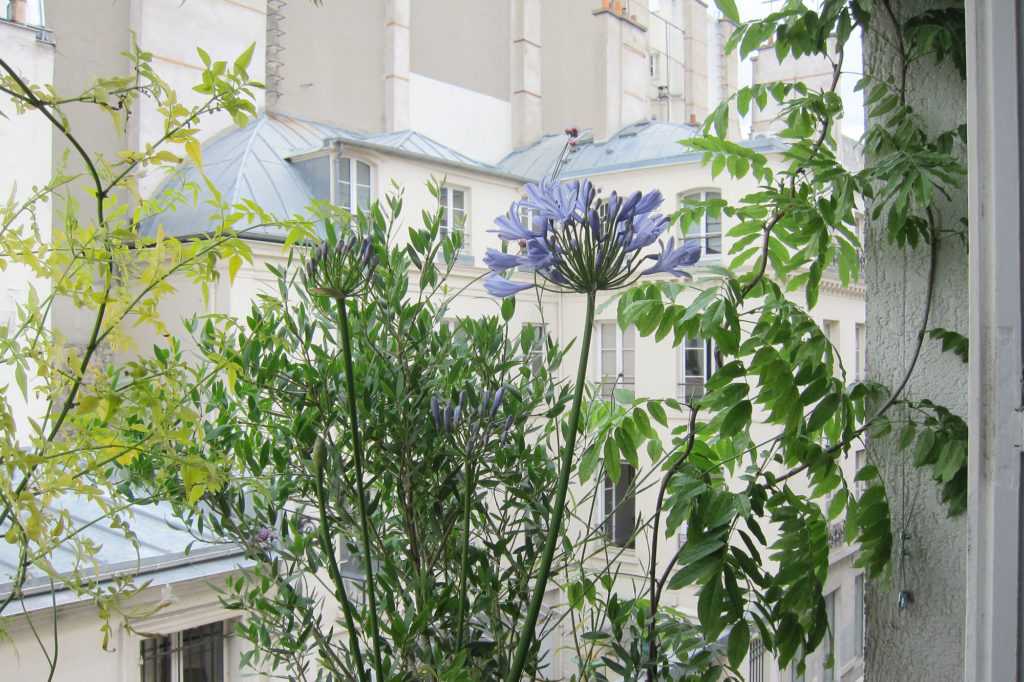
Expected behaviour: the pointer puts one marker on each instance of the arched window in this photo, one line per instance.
(707, 231)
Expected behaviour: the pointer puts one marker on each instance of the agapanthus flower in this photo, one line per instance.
(342, 269)
(473, 422)
(585, 243)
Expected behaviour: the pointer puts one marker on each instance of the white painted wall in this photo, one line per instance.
(28, 139)
(472, 123)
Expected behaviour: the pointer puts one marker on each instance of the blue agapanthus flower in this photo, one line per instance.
(581, 242)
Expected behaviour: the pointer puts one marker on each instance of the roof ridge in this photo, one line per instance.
(245, 158)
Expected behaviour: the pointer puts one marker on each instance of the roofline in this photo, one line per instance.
(769, 145)
(142, 567)
(417, 156)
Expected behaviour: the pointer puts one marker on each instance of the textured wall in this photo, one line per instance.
(924, 641)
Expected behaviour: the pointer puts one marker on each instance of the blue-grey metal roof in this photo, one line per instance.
(252, 163)
(159, 557)
(645, 143)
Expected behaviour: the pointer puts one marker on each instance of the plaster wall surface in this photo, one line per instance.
(27, 138)
(924, 641)
(465, 43)
(80, 640)
(334, 63)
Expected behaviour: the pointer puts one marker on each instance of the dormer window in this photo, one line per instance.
(354, 189)
(353, 181)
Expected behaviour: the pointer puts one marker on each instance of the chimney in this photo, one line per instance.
(18, 11)
(526, 100)
(397, 114)
(626, 78)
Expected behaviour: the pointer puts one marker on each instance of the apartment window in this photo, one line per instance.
(353, 191)
(620, 508)
(828, 673)
(858, 616)
(616, 358)
(756, 661)
(193, 655)
(697, 364)
(454, 209)
(861, 350)
(654, 65)
(708, 230)
(536, 352)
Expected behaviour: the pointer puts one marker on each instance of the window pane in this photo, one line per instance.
(317, 175)
(458, 199)
(363, 173)
(628, 365)
(858, 617)
(156, 659)
(344, 198)
(629, 338)
(828, 674)
(202, 654)
(608, 363)
(714, 246)
(620, 508)
(608, 335)
(363, 197)
(344, 169)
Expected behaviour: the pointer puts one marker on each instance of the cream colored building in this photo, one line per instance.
(476, 94)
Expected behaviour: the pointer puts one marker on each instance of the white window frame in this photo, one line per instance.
(831, 640)
(860, 615)
(610, 381)
(704, 235)
(446, 201)
(353, 162)
(710, 365)
(609, 522)
(536, 354)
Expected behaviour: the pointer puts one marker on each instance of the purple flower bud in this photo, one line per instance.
(498, 396)
(435, 411)
(449, 418)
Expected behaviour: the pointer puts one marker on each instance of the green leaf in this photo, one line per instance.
(611, 460)
(823, 411)
(242, 62)
(22, 379)
(658, 412)
(588, 463)
(736, 419)
(508, 308)
(709, 606)
(739, 642)
(728, 8)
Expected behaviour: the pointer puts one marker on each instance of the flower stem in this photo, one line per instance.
(528, 632)
(357, 455)
(464, 569)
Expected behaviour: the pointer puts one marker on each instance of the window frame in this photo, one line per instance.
(175, 652)
(353, 186)
(606, 388)
(860, 349)
(614, 511)
(710, 365)
(703, 235)
(831, 674)
(447, 209)
(536, 354)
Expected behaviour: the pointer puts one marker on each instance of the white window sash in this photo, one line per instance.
(447, 202)
(616, 378)
(702, 234)
(687, 378)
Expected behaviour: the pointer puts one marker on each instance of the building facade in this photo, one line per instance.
(474, 95)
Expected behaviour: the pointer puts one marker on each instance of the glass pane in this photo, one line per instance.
(344, 198)
(713, 195)
(156, 659)
(714, 246)
(202, 654)
(714, 225)
(459, 217)
(694, 362)
(628, 365)
(363, 173)
(363, 197)
(629, 338)
(607, 335)
(344, 169)
(609, 364)
(317, 175)
(458, 198)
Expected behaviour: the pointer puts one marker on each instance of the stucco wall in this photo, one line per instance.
(924, 641)
(26, 138)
